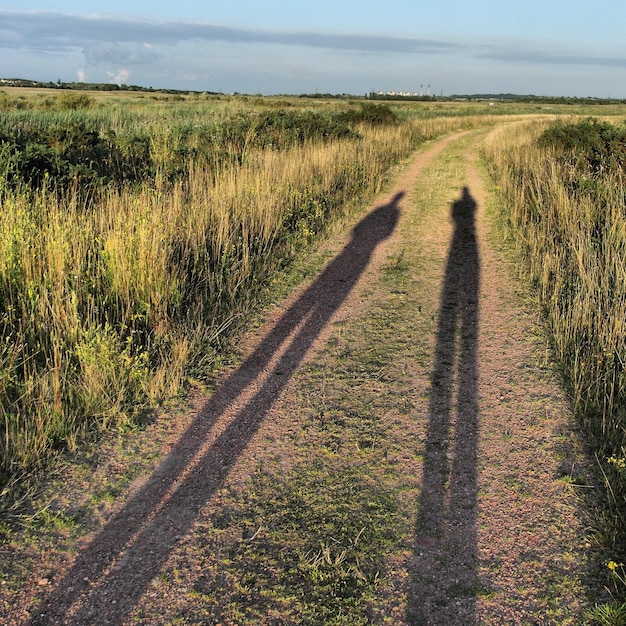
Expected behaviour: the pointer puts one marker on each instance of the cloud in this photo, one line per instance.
(552, 58)
(53, 32)
(120, 77)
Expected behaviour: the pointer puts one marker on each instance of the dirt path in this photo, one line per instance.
(407, 384)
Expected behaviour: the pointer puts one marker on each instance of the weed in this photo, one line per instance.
(611, 614)
(369, 113)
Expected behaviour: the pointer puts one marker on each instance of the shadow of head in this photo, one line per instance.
(380, 223)
(464, 208)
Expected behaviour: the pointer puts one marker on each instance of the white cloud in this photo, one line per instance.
(120, 77)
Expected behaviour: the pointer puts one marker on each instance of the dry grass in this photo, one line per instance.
(570, 227)
(575, 245)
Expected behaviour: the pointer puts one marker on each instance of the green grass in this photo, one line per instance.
(612, 614)
(310, 550)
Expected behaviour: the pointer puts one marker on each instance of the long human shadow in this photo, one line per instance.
(109, 577)
(444, 573)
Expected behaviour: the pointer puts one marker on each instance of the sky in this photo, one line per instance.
(547, 47)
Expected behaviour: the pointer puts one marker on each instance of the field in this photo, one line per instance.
(136, 233)
(141, 234)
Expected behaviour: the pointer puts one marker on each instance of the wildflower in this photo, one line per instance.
(612, 565)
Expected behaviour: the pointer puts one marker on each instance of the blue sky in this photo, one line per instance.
(548, 47)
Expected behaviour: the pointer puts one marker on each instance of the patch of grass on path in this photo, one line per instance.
(309, 549)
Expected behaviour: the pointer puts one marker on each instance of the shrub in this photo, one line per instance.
(74, 100)
(369, 113)
(590, 145)
(70, 154)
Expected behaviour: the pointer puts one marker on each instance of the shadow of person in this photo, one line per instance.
(444, 572)
(108, 578)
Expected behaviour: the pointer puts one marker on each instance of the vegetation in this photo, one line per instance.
(565, 210)
(66, 152)
(136, 235)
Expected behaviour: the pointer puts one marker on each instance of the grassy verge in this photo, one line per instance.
(564, 203)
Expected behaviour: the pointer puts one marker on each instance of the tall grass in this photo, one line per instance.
(112, 292)
(566, 211)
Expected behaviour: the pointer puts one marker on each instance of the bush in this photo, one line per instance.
(65, 155)
(589, 145)
(372, 114)
(278, 130)
(73, 100)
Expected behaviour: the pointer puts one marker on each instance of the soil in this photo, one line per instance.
(499, 526)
